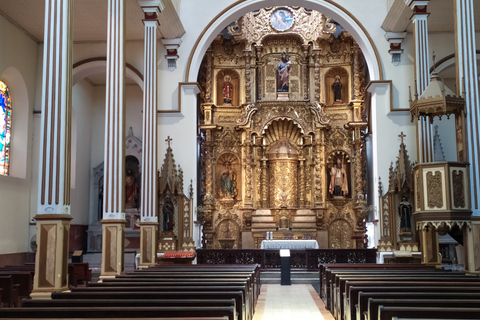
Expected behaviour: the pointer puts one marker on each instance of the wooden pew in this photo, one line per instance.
(120, 312)
(342, 294)
(363, 298)
(373, 304)
(9, 291)
(157, 295)
(387, 313)
(325, 270)
(24, 280)
(412, 288)
(78, 273)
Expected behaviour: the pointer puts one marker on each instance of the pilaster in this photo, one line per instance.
(420, 32)
(467, 83)
(114, 173)
(149, 219)
(53, 208)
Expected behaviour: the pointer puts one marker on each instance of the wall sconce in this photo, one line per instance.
(171, 45)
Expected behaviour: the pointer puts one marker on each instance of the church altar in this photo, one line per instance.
(289, 244)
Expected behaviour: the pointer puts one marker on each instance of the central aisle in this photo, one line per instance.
(298, 301)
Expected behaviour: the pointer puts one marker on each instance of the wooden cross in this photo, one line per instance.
(168, 141)
(401, 135)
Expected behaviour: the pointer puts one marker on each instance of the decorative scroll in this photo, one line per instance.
(458, 189)
(434, 190)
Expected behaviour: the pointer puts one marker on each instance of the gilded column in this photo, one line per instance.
(264, 181)
(208, 76)
(301, 182)
(259, 65)
(149, 219)
(316, 76)
(305, 71)
(247, 146)
(318, 158)
(248, 74)
(53, 207)
(113, 222)
(420, 32)
(209, 165)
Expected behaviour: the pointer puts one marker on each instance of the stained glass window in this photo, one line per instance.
(5, 128)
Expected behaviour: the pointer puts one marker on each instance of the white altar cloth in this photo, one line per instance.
(289, 244)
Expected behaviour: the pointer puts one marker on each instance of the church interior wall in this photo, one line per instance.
(18, 65)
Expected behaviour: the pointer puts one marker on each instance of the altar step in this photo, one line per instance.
(296, 277)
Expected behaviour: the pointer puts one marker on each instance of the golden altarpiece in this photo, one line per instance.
(283, 132)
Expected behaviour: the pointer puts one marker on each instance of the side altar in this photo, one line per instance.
(282, 133)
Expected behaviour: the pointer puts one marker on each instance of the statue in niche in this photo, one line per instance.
(338, 179)
(131, 190)
(283, 71)
(227, 90)
(405, 213)
(168, 210)
(337, 89)
(228, 181)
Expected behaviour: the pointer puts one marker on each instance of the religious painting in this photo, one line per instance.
(132, 182)
(281, 19)
(228, 173)
(228, 88)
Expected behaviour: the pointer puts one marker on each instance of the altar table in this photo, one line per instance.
(289, 244)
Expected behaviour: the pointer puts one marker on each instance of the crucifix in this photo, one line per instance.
(168, 141)
(401, 135)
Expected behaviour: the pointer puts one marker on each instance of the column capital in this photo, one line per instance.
(151, 8)
(172, 54)
(418, 6)
(395, 39)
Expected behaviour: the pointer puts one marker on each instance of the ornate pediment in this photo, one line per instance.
(310, 25)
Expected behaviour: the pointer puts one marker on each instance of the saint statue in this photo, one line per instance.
(228, 182)
(131, 190)
(337, 89)
(283, 70)
(227, 90)
(338, 180)
(405, 213)
(168, 210)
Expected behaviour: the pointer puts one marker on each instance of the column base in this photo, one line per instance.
(51, 260)
(148, 244)
(113, 245)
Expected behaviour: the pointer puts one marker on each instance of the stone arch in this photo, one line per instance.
(21, 122)
(240, 8)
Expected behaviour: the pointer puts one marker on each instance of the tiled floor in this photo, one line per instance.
(298, 301)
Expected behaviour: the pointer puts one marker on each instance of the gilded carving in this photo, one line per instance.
(434, 189)
(458, 189)
(340, 234)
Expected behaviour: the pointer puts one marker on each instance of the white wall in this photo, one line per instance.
(18, 67)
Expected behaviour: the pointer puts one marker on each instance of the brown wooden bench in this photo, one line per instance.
(119, 312)
(9, 291)
(79, 272)
(373, 304)
(412, 288)
(24, 280)
(363, 298)
(326, 269)
(387, 313)
(342, 292)
(157, 295)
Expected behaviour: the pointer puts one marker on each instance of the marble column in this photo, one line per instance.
(113, 223)
(420, 32)
(148, 201)
(53, 207)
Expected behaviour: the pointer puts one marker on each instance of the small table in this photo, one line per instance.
(289, 244)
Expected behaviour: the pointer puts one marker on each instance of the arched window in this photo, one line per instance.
(5, 128)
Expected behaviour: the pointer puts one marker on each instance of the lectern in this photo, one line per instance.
(285, 267)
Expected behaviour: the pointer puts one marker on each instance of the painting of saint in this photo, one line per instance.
(281, 19)
(283, 71)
